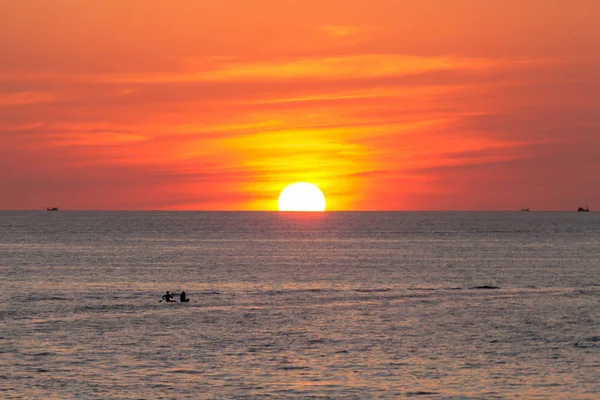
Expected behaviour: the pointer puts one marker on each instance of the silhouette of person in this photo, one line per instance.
(168, 297)
(182, 298)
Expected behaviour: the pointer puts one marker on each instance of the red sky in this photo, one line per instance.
(384, 104)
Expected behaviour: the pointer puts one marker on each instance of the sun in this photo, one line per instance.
(301, 196)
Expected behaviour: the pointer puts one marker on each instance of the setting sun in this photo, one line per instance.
(301, 196)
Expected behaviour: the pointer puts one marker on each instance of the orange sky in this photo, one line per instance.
(384, 104)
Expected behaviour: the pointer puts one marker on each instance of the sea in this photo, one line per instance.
(339, 305)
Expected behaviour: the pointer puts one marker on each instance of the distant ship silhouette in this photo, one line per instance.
(581, 209)
(524, 209)
(52, 209)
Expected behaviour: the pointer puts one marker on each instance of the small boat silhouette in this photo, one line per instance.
(581, 209)
(524, 209)
(52, 209)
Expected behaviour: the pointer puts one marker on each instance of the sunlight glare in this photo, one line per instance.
(301, 196)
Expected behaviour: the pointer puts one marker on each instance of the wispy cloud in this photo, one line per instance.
(25, 98)
(342, 30)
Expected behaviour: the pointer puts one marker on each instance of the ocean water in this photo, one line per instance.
(333, 305)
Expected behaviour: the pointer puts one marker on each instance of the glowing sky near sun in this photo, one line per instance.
(384, 104)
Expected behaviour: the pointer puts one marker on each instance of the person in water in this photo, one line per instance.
(182, 298)
(168, 297)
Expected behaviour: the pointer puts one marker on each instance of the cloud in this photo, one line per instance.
(342, 30)
(25, 98)
(351, 67)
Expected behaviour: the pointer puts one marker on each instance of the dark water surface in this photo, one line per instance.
(339, 305)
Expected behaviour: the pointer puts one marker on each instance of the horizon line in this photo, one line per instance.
(277, 211)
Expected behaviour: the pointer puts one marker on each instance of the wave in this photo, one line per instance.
(486, 287)
(32, 298)
(592, 342)
(292, 368)
(421, 393)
